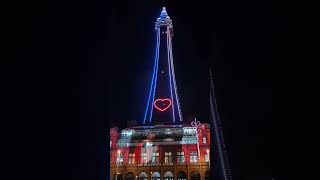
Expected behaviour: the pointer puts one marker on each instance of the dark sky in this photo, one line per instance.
(76, 66)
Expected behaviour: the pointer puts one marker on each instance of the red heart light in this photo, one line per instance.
(162, 104)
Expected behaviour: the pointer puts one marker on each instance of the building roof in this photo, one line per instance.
(159, 135)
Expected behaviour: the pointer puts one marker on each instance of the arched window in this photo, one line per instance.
(143, 176)
(168, 176)
(181, 176)
(195, 175)
(130, 176)
(155, 176)
(118, 177)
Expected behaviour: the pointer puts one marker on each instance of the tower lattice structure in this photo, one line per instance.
(163, 101)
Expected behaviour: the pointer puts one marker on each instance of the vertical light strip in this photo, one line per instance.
(150, 91)
(169, 66)
(174, 82)
(219, 147)
(218, 132)
(156, 74)
(152, 82)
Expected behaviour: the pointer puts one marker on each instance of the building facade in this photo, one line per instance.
(168, 152)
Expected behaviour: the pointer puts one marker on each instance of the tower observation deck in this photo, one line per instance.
(163, 105)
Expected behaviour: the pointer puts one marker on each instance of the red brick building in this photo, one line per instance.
(168, 152)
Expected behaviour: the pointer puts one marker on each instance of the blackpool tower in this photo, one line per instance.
(163, 105)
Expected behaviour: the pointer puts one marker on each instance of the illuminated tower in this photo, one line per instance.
(163, 105)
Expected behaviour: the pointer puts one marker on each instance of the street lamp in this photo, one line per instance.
(197, 125)
(208, 157)
(117, 163)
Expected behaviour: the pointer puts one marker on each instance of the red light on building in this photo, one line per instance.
(162, 151)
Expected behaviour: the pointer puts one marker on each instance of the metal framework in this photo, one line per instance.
(163, 21)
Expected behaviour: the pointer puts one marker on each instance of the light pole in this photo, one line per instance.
(117, 163)
(196, 124)
(208, 157)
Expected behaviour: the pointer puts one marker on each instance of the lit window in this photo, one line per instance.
(131, 159)
(167, 157)
(143, 155)
(155, 157)
(204, 140)
(206, 156)
(168, 131)
(193, 156)
(180, 157)
(120, 158)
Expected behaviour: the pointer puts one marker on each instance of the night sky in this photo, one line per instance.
(76, 67)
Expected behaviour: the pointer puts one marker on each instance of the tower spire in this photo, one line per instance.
(163, 19)
(164, 12)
